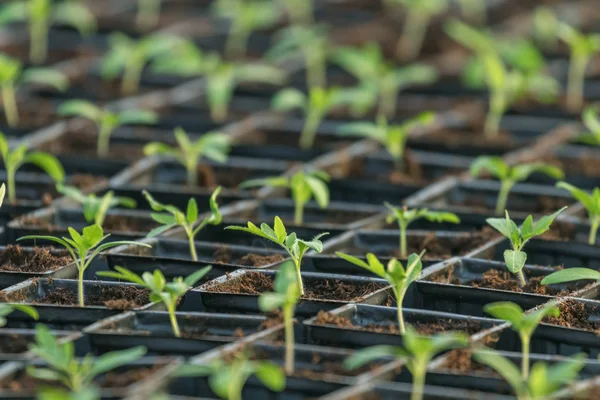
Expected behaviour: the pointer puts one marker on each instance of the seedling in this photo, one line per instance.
(417, 350)
(6, 309)
(543, 380)
(106, 121)
(245, 17)
(570, 275)
(405, 217)
(286, 296)
(583, 47)
(15, 159)
(148, 14)
(515, 258)
(315, 107)
(544, 27)
(65, 369)
(510, 175)
(51, 393)
(212, 145)
(392, 137)
(40, 15)
(295, 247)
(370, 67)
(590, 119)
(227, 378)
(395, 273)
(591, 202)
(128, 57)
(12, 74)
(95, 208)
(174, 217)
(84, 248)
(162, 291)
(303, 185)
(523, 324)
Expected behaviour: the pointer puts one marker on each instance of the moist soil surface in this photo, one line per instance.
(223, 255)
(459, 139)
(15, 259)
(543, 204)
(573, 314)
(584, 164)
(83, 143)
(15, 344)
(256, 283)
(112, 223)
(111, 297)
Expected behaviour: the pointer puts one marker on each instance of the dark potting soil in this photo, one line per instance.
(256, 283)
(543, 204)
(573, 314)
(440, 247)
(111, 297)
(584, 164)
(223, 256)
(83, 181)
(462, 138)
(14, 259)
(15, 344)
(112, 223)
(460, 361)
(83, 143)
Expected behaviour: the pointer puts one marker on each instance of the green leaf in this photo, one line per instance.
(268, 302)
(48, 163)
(544, 223)
(582, 196)
(192, 211)
(160, 229)
(532, 320)
(13, 12)
(123, 274)
(289, 99)
(137, 117)
(192, 279)
(495, 166)
(76, 15)
(570, 275)
(370, 354)
(280, 230)
(502, 366)
(506, 311)
(501, 225)
(29, 310)
(271, 375)
(80, 108)
(515, 260)
(590, 119)
(115, 359)
(319, 190)
(46, 76)
(523, 171)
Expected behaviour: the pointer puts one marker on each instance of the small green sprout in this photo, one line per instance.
(12, 74)
(40, 15)
(285, 297)
(105, 120)
(15, 159)
(544, 27)
(515, 259)
(591, 202)
(510, 175)
(543, 380)
(570, 275)
(522, 323)
(392, 137)
(213, 145)
(95, 208)
(418, 352)
(315, 107)
(303, 185)
(148, 14)
(162, 291)
(590, 119)
(227, 378)
(6, 309)
(369, 66)
(399, 277)
(66, 369)
(174, 217)
(295, 247)
(84, 248)
(405, 217)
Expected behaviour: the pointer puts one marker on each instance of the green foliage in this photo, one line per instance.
(84, 247)
(213, 145)
(175, 217)
(591, 121)
(6, 309)
(15, 159)
(148, 14)
(51, 393)
(106, 121)
(303, 185)
(299, 12)
(2, 193)
(570, 275)
(65, 369)
(545, 26)
(161, 291)
(591, 202)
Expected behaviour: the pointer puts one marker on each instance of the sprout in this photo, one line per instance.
(148, 14)
(544, 27)
(510, 175)
(212, 145)
(6, 309)
(84, 247)
(405, 217)
(591, 202)
(303, 185)
(15, 159)
(592, 123)
(515, 258)
(570, 275)
(395, 273)
(12, 74)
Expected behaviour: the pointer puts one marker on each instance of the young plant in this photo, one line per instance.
(174, 217)
(285, 297)
(405, 217)
(392, 137)
(583, 47)
(522, 323)
(315, 107)
(83, 247)
(66, 369)
(515, 258)
(95, 208)
(510, 175)
(40, 15)
(295, 247)
(303, 185)
(369, 66)
(570, 275)
(395, 273)
(6, 309)
(213, 145)
(545, 26)
(543, 380)
(148, 14)
(15, 159)
(128, 57)
(591, 202)
(417, 350)
(161, 291)
(590, 119)
(106, 121)
(12, 75)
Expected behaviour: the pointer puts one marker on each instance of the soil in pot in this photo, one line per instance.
(112, 297)
(585, 164)
(15, 344)
(573, 314)
(15, 259)
(459, 141)
(112, 223)
(223, 255)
